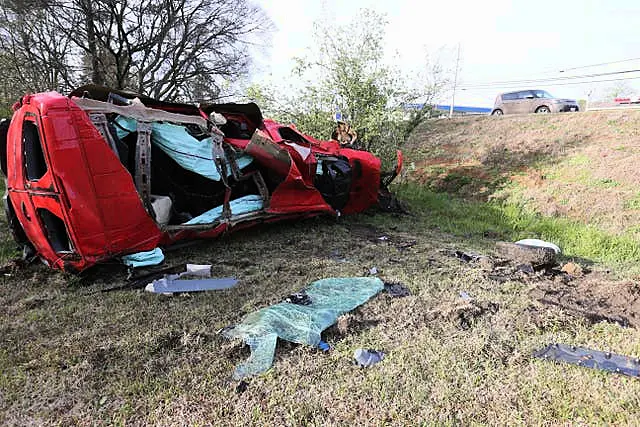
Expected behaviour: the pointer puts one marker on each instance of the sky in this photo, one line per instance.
(499, 41)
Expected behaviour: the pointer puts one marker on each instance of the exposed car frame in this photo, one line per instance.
(89, 179)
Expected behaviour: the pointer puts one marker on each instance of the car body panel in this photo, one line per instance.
(86, 209)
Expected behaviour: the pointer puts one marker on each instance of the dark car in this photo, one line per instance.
(104, 173)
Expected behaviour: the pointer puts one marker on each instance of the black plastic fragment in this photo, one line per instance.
(299, 298)
(588, 358)
(396, 290)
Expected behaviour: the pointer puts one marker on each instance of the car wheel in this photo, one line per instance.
(544, 110)
(497, 113)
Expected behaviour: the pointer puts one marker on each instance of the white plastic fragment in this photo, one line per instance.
(539, 244)
(171, 283)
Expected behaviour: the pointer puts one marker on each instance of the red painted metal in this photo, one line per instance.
(87, 187)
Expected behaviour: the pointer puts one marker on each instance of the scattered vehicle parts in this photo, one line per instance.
(168, 285)
(173, 283)
(588, 358)
(466, 257)
(91, 179)
(323, 346)
(539, 244)
(300, 324)
(144, 259)
(365, 358)
(396, 290)
(300, 298)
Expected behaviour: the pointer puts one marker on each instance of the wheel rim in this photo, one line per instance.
(543, 110)
(497, 113)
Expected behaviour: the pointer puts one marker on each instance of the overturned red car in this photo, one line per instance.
(105, 173)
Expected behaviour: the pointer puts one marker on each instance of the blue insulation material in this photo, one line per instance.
(144, 259)
(242, 205)
(297, 323)
(177, 143)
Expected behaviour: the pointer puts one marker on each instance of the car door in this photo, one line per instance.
(510, 103)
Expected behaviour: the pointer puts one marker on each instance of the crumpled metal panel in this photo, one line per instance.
(589, 358)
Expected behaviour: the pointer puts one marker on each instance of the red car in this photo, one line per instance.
(105, 173)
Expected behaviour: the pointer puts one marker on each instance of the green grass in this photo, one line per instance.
(513, 221)
(633, 203)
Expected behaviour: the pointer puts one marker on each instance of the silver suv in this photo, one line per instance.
(531, 101)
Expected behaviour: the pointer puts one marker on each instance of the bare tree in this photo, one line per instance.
(170, 49)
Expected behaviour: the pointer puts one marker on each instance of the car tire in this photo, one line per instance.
(543, 110)
(497, 112)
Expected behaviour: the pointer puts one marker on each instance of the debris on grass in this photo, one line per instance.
(466, 257)
(537, 243)
(365, 358)
(168, 285)
(573, 269)
(588, 358)
(373, 271)
(296, 323)
(536, 256)
(173, 283)
(396, 290)
(465, 296)
(242, 387)
(144, 259)
(300, 298)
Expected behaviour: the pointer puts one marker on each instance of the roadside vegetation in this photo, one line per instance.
(79, 350)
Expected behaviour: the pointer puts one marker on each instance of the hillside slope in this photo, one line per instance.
(581, 166)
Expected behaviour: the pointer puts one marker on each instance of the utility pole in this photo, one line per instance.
(455, 83)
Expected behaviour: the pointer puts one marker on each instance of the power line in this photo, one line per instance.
(529, 81)
(558, 84)
(599, 65)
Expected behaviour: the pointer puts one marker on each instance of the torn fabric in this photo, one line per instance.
(239, 206)
(190, 153)
(144, 259)
(300, 324)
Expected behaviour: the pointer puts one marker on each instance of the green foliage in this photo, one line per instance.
(513, 221)
(346, 71)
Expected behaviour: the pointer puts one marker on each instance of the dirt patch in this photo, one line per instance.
(594, 297)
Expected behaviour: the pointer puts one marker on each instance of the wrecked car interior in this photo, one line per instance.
(105, 173)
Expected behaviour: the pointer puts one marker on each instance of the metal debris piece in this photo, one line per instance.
(397, 290)
(168, 285)
(299, 298)
(589, 358)
(383, 238)
(465, 296)
(242, 387)
(466, 257)
(172, 283)
(365, 358)
(324, 346)
(373, 271)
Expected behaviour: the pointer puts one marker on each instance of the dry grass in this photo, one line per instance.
(580, 166)
(70, 354)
